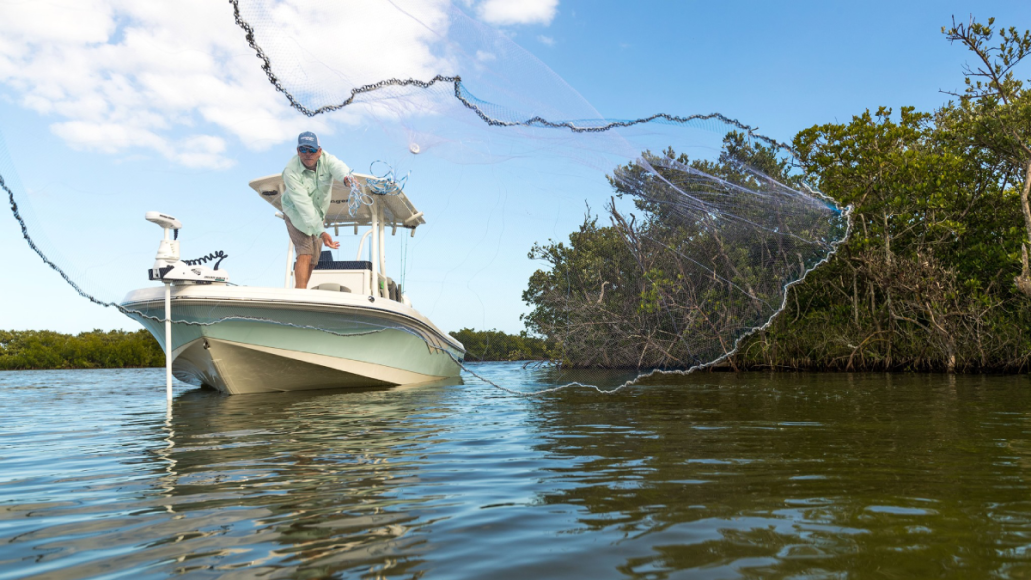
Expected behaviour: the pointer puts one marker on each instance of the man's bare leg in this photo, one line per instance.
(303, 268)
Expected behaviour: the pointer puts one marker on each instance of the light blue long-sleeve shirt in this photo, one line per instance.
(308, 191)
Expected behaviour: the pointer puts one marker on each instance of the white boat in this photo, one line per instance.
(352, 327)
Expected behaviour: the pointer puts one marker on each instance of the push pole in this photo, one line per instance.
(168, 341)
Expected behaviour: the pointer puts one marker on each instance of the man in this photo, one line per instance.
(309, 183)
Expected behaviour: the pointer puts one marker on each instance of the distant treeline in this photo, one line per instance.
(494, 345)
(43, 349)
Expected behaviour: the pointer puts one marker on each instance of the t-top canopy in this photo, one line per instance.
(397, 209)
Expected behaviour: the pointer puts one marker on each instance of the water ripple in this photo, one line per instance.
(716, 476)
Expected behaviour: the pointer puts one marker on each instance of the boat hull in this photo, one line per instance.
(243, 341)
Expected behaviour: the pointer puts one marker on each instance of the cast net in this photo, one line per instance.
(512, 214)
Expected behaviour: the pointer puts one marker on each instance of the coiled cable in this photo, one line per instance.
(219, 255)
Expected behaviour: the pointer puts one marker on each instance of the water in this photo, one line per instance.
(716, 476)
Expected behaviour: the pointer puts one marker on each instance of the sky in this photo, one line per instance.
(112, 108)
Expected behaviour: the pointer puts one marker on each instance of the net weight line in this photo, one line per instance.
(461, 95)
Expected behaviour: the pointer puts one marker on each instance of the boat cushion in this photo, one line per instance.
(326, 262)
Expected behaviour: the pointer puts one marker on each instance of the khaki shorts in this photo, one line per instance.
(303, 243)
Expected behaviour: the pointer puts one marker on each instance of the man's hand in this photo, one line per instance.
(328, 240)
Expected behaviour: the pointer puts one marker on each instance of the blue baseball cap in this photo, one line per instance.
(308, 139)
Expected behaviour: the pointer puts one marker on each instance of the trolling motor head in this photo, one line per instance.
(168, 251)
(165, 221)
(167, 265)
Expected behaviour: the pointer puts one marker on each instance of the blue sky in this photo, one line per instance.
(92, 166)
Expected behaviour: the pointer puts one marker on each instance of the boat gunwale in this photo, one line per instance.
(417, 320)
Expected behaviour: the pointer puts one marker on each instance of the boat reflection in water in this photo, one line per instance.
(277, 481)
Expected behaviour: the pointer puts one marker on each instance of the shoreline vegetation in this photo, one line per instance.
(495, 345)
(96, 349)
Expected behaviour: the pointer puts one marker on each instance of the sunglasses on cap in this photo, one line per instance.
(307, 150)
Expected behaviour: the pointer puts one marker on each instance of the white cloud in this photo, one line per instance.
(507, 12)
(121, 74)
(178, 79)
(107, 137)
(546, 40)
(198, 150)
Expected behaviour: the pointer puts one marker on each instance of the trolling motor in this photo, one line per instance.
(169, 268)
(167, 265)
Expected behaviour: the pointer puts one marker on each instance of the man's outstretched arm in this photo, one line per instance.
(337, 168)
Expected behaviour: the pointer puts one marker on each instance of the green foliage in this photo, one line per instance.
(932, 277)
(494, 345)
(993, 116)
(914, 190)
(586, 274)
(924, 280)
(43, 349)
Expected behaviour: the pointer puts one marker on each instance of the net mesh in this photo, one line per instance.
(655, 243)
